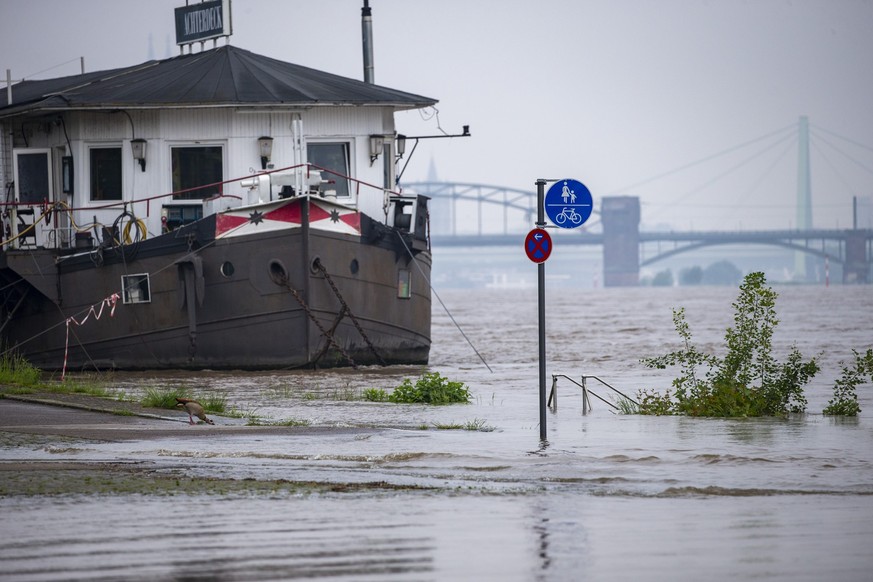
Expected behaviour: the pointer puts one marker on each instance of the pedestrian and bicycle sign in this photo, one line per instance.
(568, 203)
(538, 245)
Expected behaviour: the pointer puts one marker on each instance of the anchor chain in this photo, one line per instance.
(192, 345)
(348, 311)
(323, 331)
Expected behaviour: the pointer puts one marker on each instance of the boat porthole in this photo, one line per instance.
(278, 273)
(354, 266)
(314, 265)
(227, 268)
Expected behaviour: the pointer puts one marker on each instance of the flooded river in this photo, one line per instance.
(608, 497)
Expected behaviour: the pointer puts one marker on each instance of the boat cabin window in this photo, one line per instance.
(333, 157)
(195, 166)
(136, 288)
(32, 175)
(105, 165)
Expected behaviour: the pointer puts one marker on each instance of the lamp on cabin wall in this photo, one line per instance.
(400, 145)
(138, 148)
(265, 147)
(377, 142)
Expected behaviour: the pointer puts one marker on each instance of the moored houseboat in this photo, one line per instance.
(217, 209)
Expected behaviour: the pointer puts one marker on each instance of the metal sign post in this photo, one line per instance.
(541, 295)
(569, 205)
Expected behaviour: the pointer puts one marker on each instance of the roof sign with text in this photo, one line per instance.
(199, 22)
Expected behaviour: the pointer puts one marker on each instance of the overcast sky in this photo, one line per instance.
(612, 93)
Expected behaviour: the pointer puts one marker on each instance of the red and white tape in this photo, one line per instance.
(110, 301)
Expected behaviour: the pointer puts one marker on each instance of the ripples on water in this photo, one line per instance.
(610, 497)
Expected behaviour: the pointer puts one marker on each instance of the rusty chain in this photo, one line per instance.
(348, 311)
(324, 332)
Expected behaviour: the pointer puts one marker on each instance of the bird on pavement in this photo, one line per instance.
(193, 408)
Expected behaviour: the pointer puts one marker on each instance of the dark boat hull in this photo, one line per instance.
(259, 301)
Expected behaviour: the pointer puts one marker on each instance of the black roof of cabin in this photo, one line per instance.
(223, 76)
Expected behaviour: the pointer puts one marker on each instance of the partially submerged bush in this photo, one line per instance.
(166, 398)
(430, 389)
(845, 400)
(163, 397)
(216, 403)
(748, 381)
(375, 395)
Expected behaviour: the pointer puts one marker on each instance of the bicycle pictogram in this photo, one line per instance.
(568, 214)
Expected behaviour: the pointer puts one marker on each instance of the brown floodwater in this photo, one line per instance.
(607, 497)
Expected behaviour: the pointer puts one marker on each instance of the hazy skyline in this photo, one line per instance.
(611, 93)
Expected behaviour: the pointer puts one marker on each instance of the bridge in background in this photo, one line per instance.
(615, 226)
(464, 214)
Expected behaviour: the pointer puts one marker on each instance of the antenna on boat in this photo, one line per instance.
(367, 39)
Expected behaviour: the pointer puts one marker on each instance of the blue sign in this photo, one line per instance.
(568, 203)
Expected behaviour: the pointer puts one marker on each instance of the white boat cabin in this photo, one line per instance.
(171, 140)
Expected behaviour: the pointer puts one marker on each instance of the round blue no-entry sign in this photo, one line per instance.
(568, 203)
(538, 245)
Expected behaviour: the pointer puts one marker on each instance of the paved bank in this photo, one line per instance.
(92, 418)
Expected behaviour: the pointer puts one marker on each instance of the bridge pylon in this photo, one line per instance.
(620, 216)
(804, 265)
(856, 268)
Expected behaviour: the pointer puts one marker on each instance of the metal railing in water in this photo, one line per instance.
(586, 402)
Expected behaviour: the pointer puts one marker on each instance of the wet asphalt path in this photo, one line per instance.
(29, 417)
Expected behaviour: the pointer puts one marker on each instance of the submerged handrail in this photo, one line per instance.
(586, 404)
(613, 388)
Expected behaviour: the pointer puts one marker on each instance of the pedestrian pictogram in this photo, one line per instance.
(538, 245)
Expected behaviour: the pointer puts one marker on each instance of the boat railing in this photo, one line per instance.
(586, 391)
(37, 224)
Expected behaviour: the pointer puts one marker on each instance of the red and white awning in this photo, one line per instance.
(285, 215)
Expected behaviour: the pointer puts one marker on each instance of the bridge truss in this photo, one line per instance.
(472, 221)
(473, 208)
(834, 245)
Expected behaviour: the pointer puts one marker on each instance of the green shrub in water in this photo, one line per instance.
(375, 395)
(845, 400)
(654, 403)
(430, 388)
(216, 403)
(163, 397)
(747, 381)
(166, 398)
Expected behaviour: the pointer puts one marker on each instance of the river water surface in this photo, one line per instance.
(607, 497)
